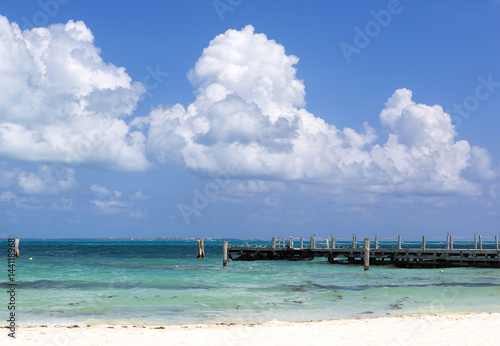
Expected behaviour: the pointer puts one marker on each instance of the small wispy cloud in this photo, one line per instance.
(111, 202)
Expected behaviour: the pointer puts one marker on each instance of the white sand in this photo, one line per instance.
(448, 329)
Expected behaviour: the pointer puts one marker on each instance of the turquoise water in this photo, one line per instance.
(132, 282)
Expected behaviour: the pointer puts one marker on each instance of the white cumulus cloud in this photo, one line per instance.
(59, 101)
(249, 111)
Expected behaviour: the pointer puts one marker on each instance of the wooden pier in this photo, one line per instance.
(422, 254)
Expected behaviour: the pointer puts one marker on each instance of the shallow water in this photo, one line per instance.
(132, 282)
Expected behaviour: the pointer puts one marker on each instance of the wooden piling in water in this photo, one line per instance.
(283, 242)
(274, 243)
(312, 243)
(451, 242)
(291, 242)
(475, 241)
(327, 244)
(399, 241)
(16, 244)
(201, 249)
(224, 253)
(376, 241)
(367, 254)
(333, 242)
(423, 242)
(480, 242)
(301, 243)
(496, 242)
(354, 241)
(447, 241)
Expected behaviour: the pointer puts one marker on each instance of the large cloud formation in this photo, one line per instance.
(249, 110)
(59, 101)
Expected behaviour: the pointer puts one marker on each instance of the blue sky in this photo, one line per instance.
(249, 118)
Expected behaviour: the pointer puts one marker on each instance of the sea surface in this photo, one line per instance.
(94, 282)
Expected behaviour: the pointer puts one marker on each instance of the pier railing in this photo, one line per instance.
(477, 242)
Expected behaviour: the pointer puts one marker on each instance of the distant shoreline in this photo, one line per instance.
(141, 239)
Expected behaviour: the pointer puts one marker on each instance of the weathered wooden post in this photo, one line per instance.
(16, 247)
(480, 242)
(475, 241)
(273, 245)
(447, 241)
(301, 243)
(224, 253)
(312, 243)
(451, 243)
(367, 254)
(201, 249)
(333, 242)
(327, 244)
(496, 242)
(399, 241)
(376, 241)
(423, 242)
(279, 241)
(283, 243)
(291, 242)
(354, 241)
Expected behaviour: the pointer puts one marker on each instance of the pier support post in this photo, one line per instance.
(301, 243)
(367, 254)
(496, 242)
(274, 243)
(376, 241)
(480, 242)
(224, 253)
(447, 241)
(475, 241)
(333, 242)
(291, 242)
(451, 242)
(423, 242)
(399, 241)
(354, 241)
(16, 247)
(201, 249)
(327, 244)
(283, 244)
(312, 243)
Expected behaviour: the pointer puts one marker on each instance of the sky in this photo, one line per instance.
(249, 119)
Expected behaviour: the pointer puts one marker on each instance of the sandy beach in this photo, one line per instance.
(446, 329)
